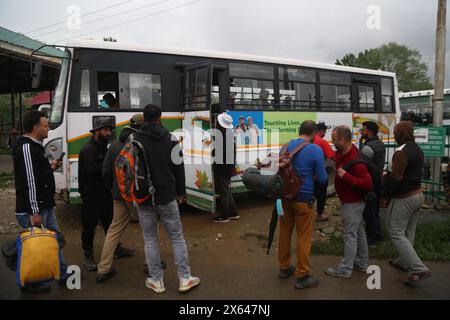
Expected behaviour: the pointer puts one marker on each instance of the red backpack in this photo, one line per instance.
(132, 173)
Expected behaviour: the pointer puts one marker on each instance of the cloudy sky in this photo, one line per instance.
(320, 30)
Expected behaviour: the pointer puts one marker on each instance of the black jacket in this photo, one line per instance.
(222, 165)
(167, 176)
(90, 179)
(35, 183)
(109, 175)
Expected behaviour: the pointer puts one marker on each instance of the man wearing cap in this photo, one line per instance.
(122, 209)
(224, 169)
(96, 196)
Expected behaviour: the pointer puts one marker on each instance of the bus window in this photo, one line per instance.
(196, 89)
(252, 94)
(119, 90)
(297, 89)
(85, 91)
(366, 98)
(387, 96)
(251, 86)
(335, 91)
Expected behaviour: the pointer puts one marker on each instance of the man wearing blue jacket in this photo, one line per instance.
(309, 164)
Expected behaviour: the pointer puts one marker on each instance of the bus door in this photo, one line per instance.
(196, 138)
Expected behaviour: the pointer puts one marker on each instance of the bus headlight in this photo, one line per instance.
(53, 150)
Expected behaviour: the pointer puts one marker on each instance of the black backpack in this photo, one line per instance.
(376, 175)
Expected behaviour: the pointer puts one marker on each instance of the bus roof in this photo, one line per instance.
(423, 93)
(94, 44)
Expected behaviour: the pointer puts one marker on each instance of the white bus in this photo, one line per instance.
(193, 87)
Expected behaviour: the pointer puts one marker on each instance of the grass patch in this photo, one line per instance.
(6, 180)
(432, 243)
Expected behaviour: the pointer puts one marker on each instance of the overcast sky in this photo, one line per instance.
(321, 30)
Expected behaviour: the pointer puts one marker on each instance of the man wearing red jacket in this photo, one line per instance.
(350, 187)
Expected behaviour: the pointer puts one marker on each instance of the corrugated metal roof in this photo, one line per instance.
(23, 41)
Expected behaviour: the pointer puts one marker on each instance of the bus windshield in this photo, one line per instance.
(57, 110)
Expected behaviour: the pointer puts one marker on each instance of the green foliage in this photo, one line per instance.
(6, 180)
(5, 107)
(412, 73)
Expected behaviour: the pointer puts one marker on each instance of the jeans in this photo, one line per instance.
(170, 217)
(49, 221)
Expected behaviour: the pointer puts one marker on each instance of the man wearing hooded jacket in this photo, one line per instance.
(402, 190)
(165, 162)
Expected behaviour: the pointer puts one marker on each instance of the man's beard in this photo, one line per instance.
(103, 139)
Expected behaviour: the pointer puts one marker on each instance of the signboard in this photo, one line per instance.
(431, 140)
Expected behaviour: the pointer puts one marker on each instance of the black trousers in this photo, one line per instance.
(91, 212)
(320, 193)
(371, 217)
(223, 188)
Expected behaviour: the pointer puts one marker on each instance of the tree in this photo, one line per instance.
(412, 72)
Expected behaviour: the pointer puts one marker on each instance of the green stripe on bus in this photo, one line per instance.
(200, 203)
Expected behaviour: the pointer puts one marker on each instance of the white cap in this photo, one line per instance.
(225, 120)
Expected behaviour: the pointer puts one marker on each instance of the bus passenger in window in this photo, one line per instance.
(264, 97)
(111, 101)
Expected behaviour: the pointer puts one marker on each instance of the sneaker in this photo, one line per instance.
(156, 286)
(336, 273)
(306, 282)
(221, 220)
(90, 264)
(105, 276)
(236, 217)
(122, 252)
(417, 277)
(359, 269)
(188, 282)
(285, 273)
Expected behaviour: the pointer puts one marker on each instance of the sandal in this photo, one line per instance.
(417, 277)
(397, 266)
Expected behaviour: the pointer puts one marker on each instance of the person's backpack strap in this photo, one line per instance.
(298, 148)
(151, 189)
(351, 163)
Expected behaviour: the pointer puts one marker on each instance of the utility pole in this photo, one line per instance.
(438, 98)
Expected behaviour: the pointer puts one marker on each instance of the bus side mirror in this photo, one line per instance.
(36, 75)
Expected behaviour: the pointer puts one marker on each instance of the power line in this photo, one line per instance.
(81, 16)
(104, 18)
(132, 20)
(62, 22)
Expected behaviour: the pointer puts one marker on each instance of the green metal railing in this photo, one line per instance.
(435, 190)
